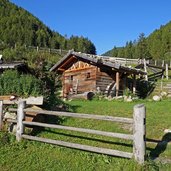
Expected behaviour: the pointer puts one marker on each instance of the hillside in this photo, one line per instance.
(18, 26)
(157, 45)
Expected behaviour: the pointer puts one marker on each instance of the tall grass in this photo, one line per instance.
(11, 82)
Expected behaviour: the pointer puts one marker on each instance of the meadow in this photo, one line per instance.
(30, 155)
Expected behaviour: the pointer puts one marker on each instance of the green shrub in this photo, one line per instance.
(11, 82)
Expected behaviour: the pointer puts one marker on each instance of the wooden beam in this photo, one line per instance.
(72, 58)
(30, 100)
(81, 147)
(5, 97)
(145, 69)
(155, 62)
(79, 115)
(20, 118)
(117, 84)
(90, 131)
(1, 114)
(134, 84)
(139, 130)
(167, 73)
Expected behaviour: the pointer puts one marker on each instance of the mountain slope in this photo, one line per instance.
(18, 26)
(157, 45)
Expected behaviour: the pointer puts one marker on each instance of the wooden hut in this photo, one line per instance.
(19, 66)
(92, 73)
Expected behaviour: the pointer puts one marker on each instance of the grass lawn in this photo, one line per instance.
(30, 155)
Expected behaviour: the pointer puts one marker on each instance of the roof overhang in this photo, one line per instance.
(71, 57)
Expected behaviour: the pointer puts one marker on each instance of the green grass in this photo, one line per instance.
(30, 155)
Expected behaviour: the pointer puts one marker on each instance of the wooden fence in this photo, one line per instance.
(138, 136)
(49, 50)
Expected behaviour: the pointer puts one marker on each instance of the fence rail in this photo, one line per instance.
(49, 50)
(138, 136)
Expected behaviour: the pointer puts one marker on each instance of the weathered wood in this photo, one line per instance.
(5, 97)
(167, 73)
(155, 62)
(81, 147)
(117, 84)
(79, 115)
(134, 84)
(139, 129)
(11, 120)
(29, 100)
(86, 96)
(145, 69)
(1, 114)
(90, 131)
(20, 118)
(162, 63)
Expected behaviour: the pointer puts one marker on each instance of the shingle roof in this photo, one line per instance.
(96, 60)
(11, 65)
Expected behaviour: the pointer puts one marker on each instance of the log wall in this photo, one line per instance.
(79, 79)
(103, 80)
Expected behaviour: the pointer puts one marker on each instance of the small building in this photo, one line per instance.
(92, 73)
(19, 66)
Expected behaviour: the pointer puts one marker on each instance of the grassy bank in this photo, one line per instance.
(29, 155)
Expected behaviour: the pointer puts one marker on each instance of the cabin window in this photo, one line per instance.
(88, 75)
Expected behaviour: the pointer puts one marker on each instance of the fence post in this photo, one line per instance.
(155, 62)
(167, 77)
(139, 131)
(20, 118)
(1, 114)
(145, 69)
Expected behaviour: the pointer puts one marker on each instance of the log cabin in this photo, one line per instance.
(92, 73)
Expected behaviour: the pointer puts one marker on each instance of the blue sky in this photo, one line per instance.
(107, 23)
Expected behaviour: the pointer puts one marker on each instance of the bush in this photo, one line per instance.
(11, 82)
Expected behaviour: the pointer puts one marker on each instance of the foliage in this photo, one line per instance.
(145, 88)
(157, 45)
(19, 27)
(11, 82)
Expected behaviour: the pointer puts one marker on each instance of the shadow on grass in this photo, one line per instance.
(89, 138)
(160, 147)
(50, 119)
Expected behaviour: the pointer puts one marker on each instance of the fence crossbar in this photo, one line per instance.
(81, 147)
(90, 131)
(79, 115)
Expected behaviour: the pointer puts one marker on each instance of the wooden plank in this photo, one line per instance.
(1, 114)
(134, 84)
(139, 129)
(20, 118)
(5, 97)
(145, 69)
(167, 72)
(29, 100)
(11, 120)
(81, 147)
(79, 115)
(117, 84)
(90, 131)
(103, 83)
